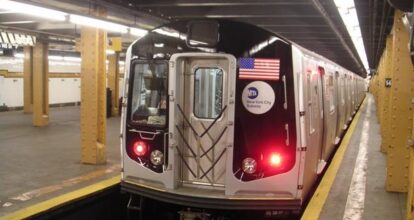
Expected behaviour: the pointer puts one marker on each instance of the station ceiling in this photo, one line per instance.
(313, 24)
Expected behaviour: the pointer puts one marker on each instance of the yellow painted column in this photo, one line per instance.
(385, 96)
(402, 91)
(40, 84)
(380, 81)
(28, 80)
(410, 196)
(93, 96)
(113, 73)
(372, 86)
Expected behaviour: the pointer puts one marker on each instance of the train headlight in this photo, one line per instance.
(249, 165)
(140, 148)
(157, 157)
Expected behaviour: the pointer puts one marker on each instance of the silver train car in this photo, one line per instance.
(225, 115)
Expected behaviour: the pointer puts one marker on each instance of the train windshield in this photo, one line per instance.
(149, 93)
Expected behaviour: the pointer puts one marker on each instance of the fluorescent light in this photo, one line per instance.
(32, 10)
(19, 55)
(346, 9)
(92, 22)
(52, 57)
(73, 59)
(18, 22)
(110, 52)
(195, 42)
(168, 32)
(138, 32)
(7, 12)
(159, 45)
(57, 58)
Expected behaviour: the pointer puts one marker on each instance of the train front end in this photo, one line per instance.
(209, 118)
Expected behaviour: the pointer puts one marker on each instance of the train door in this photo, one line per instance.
(315, 115)
(340, 105)
(202, 116)
(330, 114)
(347, 99)
(321, 114)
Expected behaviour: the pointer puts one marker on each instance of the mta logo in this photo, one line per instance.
(253, 93)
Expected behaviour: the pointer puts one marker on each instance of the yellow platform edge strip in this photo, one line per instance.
(62, 199)
(315, 206)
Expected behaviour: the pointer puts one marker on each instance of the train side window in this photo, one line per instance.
(208, 92)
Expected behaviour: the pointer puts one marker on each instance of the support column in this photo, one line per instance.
(410, 196)
(402, 91)
(28, 80)
(380, 79)
(93, 95)
(40, 84)
(385, 96)
(113, 73)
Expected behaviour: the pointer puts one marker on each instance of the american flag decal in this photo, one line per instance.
(259, 69)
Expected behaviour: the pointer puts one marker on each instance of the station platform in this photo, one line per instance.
(353, 186)
(31, 158)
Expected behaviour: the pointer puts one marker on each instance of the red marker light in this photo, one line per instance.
(275, 160)
(140, 148)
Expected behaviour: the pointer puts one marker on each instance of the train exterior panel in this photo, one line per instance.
(226, 115)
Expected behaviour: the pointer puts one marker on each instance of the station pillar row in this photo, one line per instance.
(40, 92)
(93, 95)
(28, 80)
(399, 113)
(113, 73)
(384, 101)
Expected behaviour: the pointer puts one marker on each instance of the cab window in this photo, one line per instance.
(149, 93)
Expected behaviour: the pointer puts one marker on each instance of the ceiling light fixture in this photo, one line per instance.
(53, 57)
(32, 10)
(18, 22)
(347, 10)
(137, 32)
(110, 52)
(92, 22)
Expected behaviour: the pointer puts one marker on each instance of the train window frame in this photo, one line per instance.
(194, 91)
(330, 87)
(131, 84)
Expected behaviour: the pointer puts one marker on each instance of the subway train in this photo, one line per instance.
(223, 115)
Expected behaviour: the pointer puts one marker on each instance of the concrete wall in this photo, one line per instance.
(11, 91)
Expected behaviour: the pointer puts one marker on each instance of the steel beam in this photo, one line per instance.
(93, 94)
(402, 91)
(28, 80)
(221, 4)
(40, 84)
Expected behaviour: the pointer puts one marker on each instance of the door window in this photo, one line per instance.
(208, 92)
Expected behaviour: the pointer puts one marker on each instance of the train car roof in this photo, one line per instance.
(234, 37)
